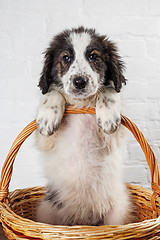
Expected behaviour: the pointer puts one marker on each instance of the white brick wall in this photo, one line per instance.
(26, 27)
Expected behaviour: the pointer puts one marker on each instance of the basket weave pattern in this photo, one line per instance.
(18, 207)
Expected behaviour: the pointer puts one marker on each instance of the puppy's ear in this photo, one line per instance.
(114, 66)
(46, 76)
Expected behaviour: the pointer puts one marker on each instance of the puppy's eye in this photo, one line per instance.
(93, 57)
(66, 59)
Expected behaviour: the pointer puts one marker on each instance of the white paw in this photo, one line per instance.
(49, 118)
(108, 117)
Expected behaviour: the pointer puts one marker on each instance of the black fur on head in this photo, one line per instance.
(49, 73)
(111, 67)
(115, 66)
(46, 75)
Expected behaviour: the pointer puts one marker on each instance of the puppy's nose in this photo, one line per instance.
(80, 82)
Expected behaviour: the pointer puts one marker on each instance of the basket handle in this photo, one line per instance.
(150, 157)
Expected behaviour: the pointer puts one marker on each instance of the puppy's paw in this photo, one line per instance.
(108, 125)
(50, 114)
(49, 119)
(108, 117)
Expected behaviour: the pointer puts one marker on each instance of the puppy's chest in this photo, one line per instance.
(81, 129)
(78, 145)
(77, 161)
(80, 132)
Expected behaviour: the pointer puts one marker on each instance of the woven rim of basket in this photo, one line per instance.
(150, 157)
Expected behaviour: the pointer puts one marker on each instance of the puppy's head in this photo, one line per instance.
(80, 62)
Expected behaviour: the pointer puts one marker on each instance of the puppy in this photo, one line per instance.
(82, 153)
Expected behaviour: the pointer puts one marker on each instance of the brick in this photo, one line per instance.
(4, 4)
(155, 148)
(6, 45)
(136, 154)
(133, 47)
(73, 20)
(153, 130)
(16, 5)
(153, 48)
(135, 174)
(36, 69)
(142, 68)
(138, 110)
(19, 113)
(136, 88)
(122, 25)
(17, 68)
(153, 7)
(25, 27)
(47, 5)
(154, 110)
(109, 7)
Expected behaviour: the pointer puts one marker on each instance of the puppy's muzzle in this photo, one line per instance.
(80, 82)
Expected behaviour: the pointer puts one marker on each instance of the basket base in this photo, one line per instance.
(18, 214)
(23, 202)
(2, 234)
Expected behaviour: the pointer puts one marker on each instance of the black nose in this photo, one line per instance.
(80, 82)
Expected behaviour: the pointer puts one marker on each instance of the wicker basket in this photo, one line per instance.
(18, 207)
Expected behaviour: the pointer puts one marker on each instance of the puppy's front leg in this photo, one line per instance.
(108, 109)
(50, 113)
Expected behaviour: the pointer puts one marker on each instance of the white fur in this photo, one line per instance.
(108, 110)
(82, 163)
(50, 112)
(85, 171)
(80, 66)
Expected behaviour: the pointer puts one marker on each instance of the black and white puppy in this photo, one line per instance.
(82, 153)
